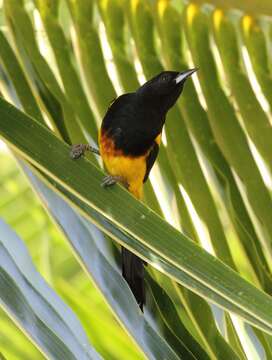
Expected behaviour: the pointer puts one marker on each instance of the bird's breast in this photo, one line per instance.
(131, 168)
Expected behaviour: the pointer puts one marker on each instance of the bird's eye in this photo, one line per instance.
(164, 78)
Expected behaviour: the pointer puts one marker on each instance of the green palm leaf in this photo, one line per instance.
(179, 254)
(62, 62)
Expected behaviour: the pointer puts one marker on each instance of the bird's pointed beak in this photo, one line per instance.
(184, 75)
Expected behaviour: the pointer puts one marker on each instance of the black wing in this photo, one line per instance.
(151, 159)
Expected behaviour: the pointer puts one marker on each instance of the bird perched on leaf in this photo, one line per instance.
(129, 141)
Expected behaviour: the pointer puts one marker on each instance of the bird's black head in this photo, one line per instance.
(164, 89)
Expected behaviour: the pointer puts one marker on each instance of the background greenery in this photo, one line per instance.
(62, 62)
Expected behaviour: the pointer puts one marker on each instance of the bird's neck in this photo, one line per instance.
(151, 108)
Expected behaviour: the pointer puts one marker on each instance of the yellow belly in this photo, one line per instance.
(132, 170)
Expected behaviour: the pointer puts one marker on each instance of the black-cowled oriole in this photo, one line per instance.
(129, 142)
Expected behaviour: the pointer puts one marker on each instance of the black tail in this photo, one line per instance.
(133, 272)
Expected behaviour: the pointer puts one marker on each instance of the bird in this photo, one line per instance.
(129, 140)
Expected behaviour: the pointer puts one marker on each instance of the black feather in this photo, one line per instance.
(133, 272)
(151, 159)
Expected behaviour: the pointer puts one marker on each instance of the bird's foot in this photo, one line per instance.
(110, 180)
(78, 150)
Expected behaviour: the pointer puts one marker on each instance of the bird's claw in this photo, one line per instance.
(110, 180)
(78, 150)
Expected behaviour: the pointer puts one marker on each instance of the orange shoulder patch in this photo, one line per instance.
(107, 146)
